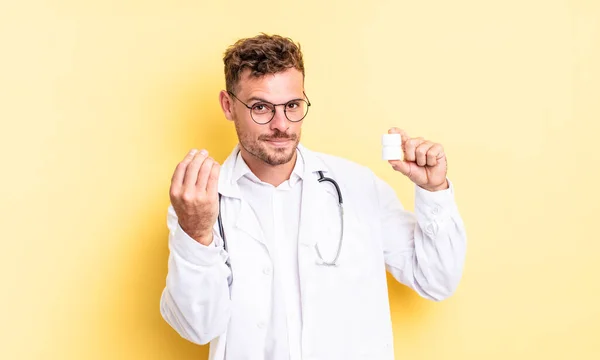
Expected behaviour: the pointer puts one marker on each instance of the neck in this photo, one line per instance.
(271, 174)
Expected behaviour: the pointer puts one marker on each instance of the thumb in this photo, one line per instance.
(402, 133)
(400, 165)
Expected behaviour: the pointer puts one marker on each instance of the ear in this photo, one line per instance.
(226, 104)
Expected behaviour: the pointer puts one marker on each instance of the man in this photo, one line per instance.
(284, 273)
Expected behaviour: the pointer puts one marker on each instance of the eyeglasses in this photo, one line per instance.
(263, 112)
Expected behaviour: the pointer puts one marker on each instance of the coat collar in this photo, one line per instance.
(246, 219)
(227, 179)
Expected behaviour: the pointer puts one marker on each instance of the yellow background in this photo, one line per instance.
(99, 100)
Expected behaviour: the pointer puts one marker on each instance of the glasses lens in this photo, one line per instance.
(296, 110)
(262, 112)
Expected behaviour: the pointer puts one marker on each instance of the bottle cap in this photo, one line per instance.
(391, 140)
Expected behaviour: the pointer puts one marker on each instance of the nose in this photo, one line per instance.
(279, 122)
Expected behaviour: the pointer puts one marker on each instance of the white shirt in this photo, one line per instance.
(278, 212)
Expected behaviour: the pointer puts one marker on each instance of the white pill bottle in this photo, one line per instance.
(391, 147)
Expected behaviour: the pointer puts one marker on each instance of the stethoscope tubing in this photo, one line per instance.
(321, 179)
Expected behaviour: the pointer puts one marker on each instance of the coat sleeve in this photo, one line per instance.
(424, 250)
(196, 298)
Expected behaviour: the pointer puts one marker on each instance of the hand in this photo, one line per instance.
(424, 162)
(194, 195)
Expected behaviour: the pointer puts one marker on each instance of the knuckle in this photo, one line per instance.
(188, 196)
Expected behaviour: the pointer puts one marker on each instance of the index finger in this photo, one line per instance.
(402, 133)
(181, 167)
(213, 180)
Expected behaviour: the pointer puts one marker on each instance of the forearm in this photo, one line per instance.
(195, 301)
(196, 305)
(425, 250)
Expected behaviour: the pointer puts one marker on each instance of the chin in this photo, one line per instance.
(279, 155)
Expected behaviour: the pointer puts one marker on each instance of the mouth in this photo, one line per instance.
(279, 142)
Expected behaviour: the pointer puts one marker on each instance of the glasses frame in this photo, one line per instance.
(274, 108)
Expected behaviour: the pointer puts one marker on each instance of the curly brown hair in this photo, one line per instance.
(263, 54)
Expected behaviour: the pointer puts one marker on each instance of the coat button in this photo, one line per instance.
(267, 271)
(429, 229)
(261, 325)
(435, 210)
(432, 228)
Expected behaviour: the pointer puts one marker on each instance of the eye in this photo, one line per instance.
(261, 108)
(294, 105)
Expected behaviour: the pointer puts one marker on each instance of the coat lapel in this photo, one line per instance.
(312, 194)
(243, 216)
(248, 223)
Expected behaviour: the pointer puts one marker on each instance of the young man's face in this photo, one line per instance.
(273, 143)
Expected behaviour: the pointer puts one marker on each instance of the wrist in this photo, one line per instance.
(443, 186)
(203, 237)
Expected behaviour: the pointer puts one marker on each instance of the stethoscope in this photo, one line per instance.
(323, 261)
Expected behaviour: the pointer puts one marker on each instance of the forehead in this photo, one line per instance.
(278, 87)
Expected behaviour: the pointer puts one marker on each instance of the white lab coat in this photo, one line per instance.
(345, 309)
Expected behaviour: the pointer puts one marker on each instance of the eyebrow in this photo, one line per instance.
(257, 98)
(253, 98)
